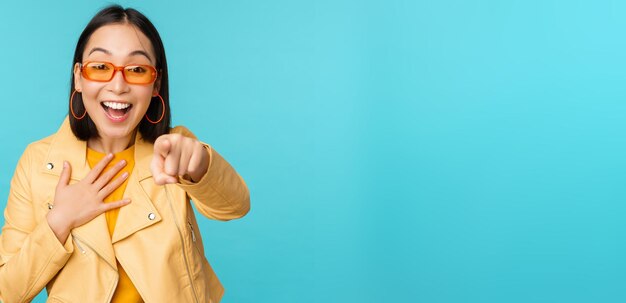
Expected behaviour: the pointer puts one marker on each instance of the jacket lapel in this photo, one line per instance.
(141, 212)
(133, 217)
(65, 147)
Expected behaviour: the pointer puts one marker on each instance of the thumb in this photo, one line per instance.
(160, 177)
(66, 173)
(157, 166)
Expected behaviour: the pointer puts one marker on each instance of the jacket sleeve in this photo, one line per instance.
(30, 253)
(221, 193)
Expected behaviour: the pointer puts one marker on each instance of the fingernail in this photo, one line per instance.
(110, 155)
(65, 164)
(123, 162)
(125, 174)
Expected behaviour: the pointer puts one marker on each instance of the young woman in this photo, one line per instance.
(100, 211)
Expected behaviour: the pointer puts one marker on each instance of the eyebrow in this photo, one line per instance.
(133, 53)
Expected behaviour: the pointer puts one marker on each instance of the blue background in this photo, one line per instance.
(396, 151)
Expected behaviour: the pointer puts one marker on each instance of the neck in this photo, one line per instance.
(111, 145)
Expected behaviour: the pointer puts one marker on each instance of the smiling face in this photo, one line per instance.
(116, 107)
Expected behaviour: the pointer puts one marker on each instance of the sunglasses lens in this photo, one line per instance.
(139, 74)
(104, 71)
(98, 71)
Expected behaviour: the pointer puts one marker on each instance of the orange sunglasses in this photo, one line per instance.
(104, 72)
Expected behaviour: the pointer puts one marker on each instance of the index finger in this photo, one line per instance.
(97, 170)
(162, 146)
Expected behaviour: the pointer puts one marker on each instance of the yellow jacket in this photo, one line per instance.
(156, 238)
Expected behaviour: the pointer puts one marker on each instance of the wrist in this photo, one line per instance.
(58, 223)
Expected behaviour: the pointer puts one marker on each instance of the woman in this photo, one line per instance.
(100, 211)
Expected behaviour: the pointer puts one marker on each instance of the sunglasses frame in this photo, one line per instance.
(118, 68)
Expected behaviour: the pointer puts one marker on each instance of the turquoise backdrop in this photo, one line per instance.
(396, 151)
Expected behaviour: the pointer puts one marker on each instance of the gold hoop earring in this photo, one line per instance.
(72, 107)
(162, 114)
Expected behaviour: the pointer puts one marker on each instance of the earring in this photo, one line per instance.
(72, 107)
(162, 114)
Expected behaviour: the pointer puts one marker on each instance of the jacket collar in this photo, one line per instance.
(66, 147)
(139, 214)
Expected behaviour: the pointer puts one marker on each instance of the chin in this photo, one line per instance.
(119, 131)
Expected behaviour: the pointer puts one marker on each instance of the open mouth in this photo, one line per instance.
(116, 111)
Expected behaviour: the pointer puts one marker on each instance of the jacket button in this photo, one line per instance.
(49, 166)
(151, 216)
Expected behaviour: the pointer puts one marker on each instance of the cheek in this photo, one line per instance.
(141, 108)
(143, 97)
(91, 90)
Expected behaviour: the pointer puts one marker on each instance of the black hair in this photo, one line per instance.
(84, 129)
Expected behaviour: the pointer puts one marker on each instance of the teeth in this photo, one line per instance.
(116, 105)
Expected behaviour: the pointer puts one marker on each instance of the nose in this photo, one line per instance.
(118, 85)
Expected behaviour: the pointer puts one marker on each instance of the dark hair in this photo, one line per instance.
(85, 128)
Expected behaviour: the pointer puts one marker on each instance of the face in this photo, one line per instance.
(116, 107)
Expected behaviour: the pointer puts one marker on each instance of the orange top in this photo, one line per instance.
(125, 291)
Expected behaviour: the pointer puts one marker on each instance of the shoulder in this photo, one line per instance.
(33, 155)
(183, 131)
(37, 150)
(39, 147)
